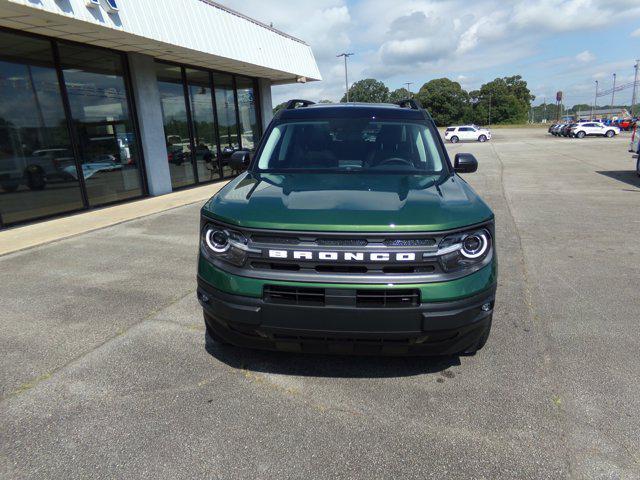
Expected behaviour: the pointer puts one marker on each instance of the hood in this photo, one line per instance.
(348, 202)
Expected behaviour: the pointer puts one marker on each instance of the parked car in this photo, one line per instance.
(397, 256)
(625, 124)
(556, 129)
(467, 132)
(594, 129)
(565, 131)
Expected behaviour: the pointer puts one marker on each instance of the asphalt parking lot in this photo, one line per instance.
(105, 372)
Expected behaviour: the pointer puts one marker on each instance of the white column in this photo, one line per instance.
(266, 105)
(154, 145)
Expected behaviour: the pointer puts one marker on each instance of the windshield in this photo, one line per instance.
(351, 145)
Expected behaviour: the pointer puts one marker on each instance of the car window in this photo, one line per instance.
(451, 129)
(351, 145)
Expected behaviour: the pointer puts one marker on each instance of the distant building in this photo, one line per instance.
(611, 113)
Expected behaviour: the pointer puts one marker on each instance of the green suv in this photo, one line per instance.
(349, 232)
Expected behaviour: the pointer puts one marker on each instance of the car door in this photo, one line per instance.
(597, 129)
(466, 133)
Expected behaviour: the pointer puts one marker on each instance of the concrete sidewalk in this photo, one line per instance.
(20, 238)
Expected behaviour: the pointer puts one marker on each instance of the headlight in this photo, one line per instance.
(465, 249)
(218, 243)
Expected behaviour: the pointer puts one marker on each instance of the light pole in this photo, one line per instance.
(489, 110)
(408, 84)
(595, 102)
(634, 99)
(613, 90)
(346, 77)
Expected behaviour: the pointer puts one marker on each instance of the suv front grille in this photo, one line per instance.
(387, 298)
(373, 298)
(297, 256)
(294, 295)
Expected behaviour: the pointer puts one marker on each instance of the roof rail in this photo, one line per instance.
(291, 104)
(409, 102)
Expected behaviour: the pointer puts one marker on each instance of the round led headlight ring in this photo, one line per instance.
(475, 245)
(217, 240)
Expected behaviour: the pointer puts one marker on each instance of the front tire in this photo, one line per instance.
(580, 135)
(454, 139)
(610, 133)
(482, 138)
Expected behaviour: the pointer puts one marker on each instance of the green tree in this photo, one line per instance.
(446, 101)
(399, 94)
(503, 100)
(368, 90)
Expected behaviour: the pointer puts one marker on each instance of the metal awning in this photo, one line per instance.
(195, 32)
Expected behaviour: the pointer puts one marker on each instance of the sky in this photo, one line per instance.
(555, 45)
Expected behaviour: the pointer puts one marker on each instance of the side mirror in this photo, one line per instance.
(465, 163)
(240, 160)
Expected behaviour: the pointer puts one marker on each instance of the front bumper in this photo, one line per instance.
(437, 328)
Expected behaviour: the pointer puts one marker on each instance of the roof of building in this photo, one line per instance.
(603, 111)
(193, 32)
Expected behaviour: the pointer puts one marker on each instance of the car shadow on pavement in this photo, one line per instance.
(626, 176)
(318, 365)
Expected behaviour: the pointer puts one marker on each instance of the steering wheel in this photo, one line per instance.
(395, 161)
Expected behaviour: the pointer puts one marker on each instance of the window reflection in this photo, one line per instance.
(226, 106)
(249, 126)
(38, 176)
(203, 120)
(95, 85)
(176, 128)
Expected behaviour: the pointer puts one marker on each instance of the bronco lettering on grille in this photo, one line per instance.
(342, 256)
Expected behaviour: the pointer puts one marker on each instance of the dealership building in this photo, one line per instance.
(105, 101)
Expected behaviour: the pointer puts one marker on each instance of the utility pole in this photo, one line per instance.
(634, 99)
(545, 109)
(595, 102)
(346, 77)
(408, 84)
(489, 110)
(613, 90)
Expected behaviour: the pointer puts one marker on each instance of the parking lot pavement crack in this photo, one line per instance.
(33, 382)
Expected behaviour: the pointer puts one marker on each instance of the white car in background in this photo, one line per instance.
(594, 128)
(467, 132)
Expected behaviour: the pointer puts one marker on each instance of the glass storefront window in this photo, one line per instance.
(249, 126)
(176, 126)
(203, 121)
(227, 120)
(38, 176)
(109, 160)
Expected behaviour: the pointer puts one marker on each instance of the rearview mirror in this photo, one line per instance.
(240, 160)
(465, 163)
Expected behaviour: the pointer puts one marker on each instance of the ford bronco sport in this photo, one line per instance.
(349, 232)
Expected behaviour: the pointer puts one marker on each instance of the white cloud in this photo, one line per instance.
(418, 40)
(585, 57)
